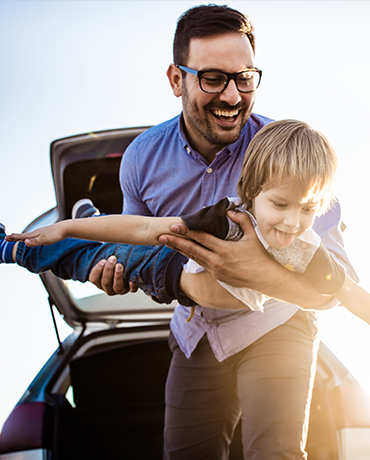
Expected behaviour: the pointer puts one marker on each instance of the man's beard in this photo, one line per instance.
(219, 136)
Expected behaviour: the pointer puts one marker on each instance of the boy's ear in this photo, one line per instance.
(248, 200)
(175, 79)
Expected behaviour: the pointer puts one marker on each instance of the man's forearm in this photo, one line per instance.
(268, 277)
(246, 264)
(295, 288)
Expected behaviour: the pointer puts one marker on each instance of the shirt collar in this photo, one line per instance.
(183, 138)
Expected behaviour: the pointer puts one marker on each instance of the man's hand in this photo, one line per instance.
(245, 263)
(240, 264)
(107, 275)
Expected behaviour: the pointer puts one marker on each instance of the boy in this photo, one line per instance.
(287, 179)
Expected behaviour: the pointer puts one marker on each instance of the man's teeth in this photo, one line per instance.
(224, 113)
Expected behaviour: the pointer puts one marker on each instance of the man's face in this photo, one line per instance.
(215, 120)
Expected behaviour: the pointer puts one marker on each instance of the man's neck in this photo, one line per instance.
(209, 154)
(202, 146)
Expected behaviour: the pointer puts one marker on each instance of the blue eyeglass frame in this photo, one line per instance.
(230, 76)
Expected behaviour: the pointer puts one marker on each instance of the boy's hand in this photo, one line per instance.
(42, 236)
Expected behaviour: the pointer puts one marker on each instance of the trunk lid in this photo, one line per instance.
(87, 166)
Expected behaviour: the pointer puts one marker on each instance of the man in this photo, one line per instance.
(225, 364)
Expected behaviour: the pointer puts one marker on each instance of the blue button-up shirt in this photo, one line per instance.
(161, 175)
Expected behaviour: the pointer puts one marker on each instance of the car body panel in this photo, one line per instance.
(35, 454)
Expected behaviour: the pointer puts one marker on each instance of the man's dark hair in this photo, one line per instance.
(204, 21)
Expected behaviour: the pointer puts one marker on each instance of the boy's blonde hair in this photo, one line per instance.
(290, 151)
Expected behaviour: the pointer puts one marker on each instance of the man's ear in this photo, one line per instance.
(175, 79)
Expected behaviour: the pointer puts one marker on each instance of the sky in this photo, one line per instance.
(70, 67)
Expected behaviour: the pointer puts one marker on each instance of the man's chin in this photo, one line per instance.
(224, 136)
(227, 133)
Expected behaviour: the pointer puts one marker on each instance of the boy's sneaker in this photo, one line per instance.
(84, 208)
(6, 249)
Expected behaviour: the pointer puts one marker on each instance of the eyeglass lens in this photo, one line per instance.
(214, 82)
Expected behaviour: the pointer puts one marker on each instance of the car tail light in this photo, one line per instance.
(113, 155)
(351, 406)
(27, 427)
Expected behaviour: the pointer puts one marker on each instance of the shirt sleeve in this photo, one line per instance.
(210, 219)
(129, 181)
(326, 273)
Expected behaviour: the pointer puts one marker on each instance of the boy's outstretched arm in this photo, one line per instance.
(355, 299)
(125, 229)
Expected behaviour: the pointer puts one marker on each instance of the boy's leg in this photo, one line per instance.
(81, 209)
(155, 269)
(6, 248)
(67, 259)
(275, 381)
(152, 268)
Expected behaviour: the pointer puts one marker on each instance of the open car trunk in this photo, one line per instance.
(119, 403)
(118, 411)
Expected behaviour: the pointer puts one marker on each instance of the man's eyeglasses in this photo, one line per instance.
(213, 81)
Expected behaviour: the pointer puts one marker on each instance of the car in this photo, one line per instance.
(101, 394)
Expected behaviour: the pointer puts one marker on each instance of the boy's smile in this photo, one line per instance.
(282, 215)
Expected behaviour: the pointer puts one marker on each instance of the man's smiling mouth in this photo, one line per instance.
(225, 115)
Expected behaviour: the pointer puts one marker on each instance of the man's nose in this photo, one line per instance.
(231, 94)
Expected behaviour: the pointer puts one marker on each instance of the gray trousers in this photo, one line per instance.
(268, 385)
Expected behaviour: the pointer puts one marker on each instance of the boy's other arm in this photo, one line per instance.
(203, 289)
(245, 264)
(355, 299)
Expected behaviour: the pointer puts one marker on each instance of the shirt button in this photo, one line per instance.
(209, 321)
(209, 170)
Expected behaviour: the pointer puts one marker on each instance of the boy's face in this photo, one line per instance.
(281, 215)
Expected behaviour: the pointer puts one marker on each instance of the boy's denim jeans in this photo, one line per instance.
(155, 269)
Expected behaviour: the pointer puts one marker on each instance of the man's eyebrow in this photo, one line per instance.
(212, 69)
